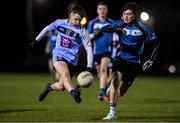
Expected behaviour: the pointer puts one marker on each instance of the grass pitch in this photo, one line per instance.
(150, 98)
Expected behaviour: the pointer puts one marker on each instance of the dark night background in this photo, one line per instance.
(14, 56)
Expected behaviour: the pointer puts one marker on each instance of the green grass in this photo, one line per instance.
(150, 98)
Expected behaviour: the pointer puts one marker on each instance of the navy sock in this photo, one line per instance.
(49, 88)
(112, 104)
(73, 93)
(102, 92)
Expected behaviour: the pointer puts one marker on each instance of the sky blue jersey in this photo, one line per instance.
(69, 39)
(132, 40)
(101, 43)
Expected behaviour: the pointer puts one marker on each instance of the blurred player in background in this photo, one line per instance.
(101, 46)
(71, 34)
(132, 35)
(50, 45)
(114, 49)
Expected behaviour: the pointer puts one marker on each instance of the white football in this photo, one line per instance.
(85, 79)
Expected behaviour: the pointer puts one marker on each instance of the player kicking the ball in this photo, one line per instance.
(132, 35)
(65, 55)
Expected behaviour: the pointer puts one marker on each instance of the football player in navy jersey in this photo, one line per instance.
(132, 36)
(101, 46)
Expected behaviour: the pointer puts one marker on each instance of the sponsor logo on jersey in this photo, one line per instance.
(68, 32)
(132, 32)
(66, 42)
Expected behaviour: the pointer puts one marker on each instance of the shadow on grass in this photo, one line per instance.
(153, 118)
(19, 110)
(139, 118)
(155, 100)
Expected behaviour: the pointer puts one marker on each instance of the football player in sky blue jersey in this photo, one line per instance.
(50, 45)
(132, 36)
(65, 55)
(101, 45)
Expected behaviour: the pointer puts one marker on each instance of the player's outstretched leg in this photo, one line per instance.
(45, 92)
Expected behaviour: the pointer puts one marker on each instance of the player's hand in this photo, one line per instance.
(148, 64)
(32, 44)
(97, 33)
(89, 69)
(119, 30)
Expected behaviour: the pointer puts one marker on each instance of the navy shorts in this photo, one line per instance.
(71, 67)
(129, 70)
(98, 57)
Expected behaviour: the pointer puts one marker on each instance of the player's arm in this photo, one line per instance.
(50, 27)
(39, 37)
(90, 30)
(44, 32)
(114, 27)
(93, 33)
(155, 44)
(155, 49)
(88, 46)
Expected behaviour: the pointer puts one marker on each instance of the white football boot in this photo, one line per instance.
(110, 116)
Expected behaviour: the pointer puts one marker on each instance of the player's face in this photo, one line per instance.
(128, 16)
(102, 10)
(75, 19)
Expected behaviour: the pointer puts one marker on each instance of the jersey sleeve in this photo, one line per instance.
(117, 23)
(88, 46)
(54, 25)
(89, 27)
(149, 34)
(85, 39)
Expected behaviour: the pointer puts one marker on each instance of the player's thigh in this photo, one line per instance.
(104, 63)
(62, 68)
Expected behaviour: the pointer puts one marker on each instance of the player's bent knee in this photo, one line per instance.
(103, 70)
(116, 76)
(65, 75)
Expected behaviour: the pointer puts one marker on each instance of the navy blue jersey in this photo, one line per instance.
(132, 40)
(101, 43)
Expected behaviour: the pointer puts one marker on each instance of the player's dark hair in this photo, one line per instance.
(102, 3)
(131, 6)
(77, 9)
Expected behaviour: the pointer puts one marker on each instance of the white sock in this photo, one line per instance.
(112, 107)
